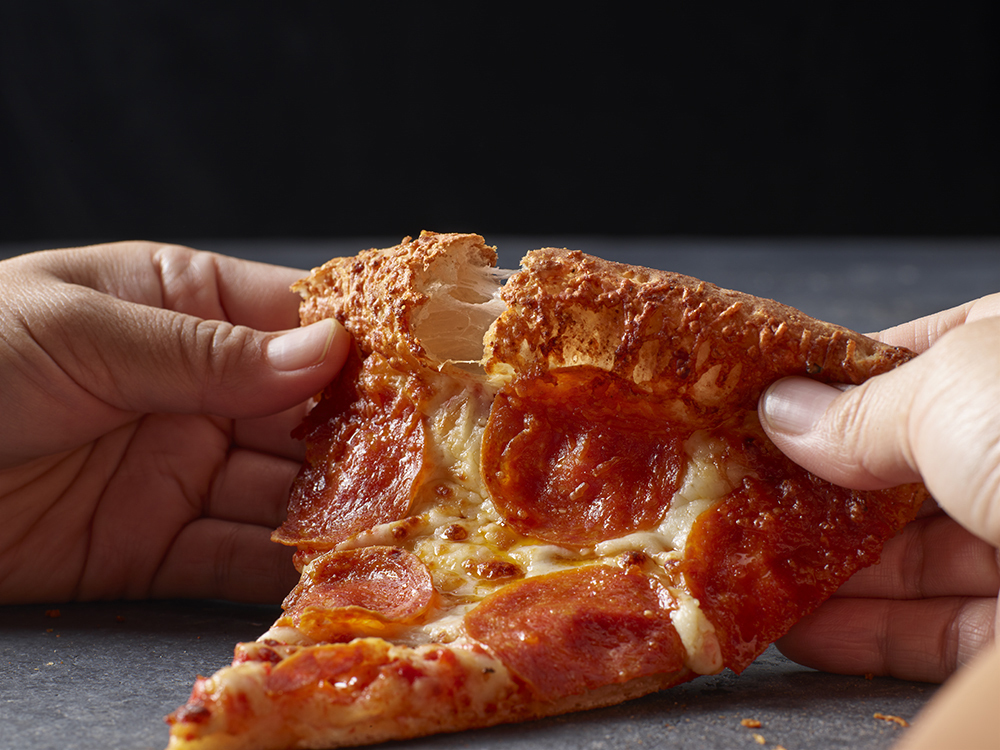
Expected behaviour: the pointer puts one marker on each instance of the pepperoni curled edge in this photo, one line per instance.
(366, 456)
(781, 543)
(366, 591)
(579, 456)
(572, 631)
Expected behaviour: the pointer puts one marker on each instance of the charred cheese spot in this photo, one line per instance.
(634, 559)
(454, 532)
(402, 529)
(494, 569)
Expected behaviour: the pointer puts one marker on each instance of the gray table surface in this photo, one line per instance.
(102, 675)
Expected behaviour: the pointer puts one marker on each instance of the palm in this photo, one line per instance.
(166, 505)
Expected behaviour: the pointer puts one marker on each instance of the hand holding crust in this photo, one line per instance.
(149, 391)
(931, 604)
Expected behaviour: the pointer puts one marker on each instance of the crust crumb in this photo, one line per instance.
(758, 738)
(751, 723)
(889, 717)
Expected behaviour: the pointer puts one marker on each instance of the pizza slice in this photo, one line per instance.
(537, 493)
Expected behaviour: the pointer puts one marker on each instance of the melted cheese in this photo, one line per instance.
(703, 485)
(457, 530)
(704, 655)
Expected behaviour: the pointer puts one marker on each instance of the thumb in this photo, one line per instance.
(855, 437)
(93, 373)
(137, 359)
(213, 367)
(936, 419)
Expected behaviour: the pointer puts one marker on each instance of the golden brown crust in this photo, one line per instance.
(374, 692)
(711, 349)
(378, 295)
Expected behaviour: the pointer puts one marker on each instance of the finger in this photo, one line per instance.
(251, 488)
(936, 419)
(920, 334)
(173, 277)
(923, 640)
(224, 560)
(931, 557)
(273, 434)
(141, 359)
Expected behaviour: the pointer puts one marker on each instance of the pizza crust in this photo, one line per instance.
(461, 680)
(713, 350)
(426, 302)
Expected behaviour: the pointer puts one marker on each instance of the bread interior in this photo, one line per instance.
(464, 301)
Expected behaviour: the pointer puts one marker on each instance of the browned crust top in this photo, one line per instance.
(709, 349)
(377, 293)
(712, 349)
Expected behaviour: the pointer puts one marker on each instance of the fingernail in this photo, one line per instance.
(301, 347)
(793, 406)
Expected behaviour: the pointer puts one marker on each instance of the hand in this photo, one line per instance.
(931, 603)
(148, 396)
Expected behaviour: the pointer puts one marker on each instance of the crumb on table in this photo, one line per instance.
(889, 717)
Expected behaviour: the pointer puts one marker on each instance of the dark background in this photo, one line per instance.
(178, 119)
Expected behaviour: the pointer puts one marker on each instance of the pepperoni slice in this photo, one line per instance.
(366, 455)
(359, 592)
(779, 545)
(343, 670)
(572, 631)
(578, 456)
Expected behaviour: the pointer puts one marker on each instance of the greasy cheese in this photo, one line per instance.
(458, 532)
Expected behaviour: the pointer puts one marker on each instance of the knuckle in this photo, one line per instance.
(914, 569)
(225, 344)
(189, 281)
(219, 352)
(850, 426)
